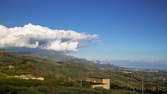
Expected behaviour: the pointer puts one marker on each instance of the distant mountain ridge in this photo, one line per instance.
(55, 66)
(60, 56)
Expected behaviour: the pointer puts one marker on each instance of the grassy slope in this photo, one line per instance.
(37, 66)
(74, 70)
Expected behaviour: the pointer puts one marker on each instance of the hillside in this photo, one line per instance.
(37, 66)
(66, 74)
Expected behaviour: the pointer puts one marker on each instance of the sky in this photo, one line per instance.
(134, 30)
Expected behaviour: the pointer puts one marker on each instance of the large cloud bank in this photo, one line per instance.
(36, 36)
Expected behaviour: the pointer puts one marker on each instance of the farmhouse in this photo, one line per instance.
(98, 82)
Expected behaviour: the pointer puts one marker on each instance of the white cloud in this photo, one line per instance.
(36, 36)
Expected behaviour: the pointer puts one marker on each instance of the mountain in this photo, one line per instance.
(60, 77)
(39, 66)
(48, 54)
(64, 75)
(58, 65)
(62, 57)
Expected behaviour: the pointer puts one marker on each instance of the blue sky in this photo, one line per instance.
(127, 29)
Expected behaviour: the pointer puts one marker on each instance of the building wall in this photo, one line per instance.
(26, 77)
(97, 86)
(106, 83)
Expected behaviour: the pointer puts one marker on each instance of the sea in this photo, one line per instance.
(141, 65)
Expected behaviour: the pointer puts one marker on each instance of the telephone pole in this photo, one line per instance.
(142, 87)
